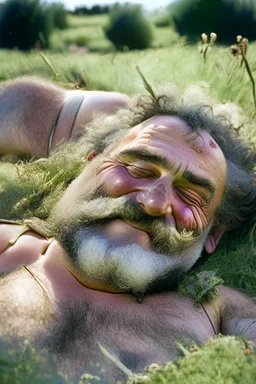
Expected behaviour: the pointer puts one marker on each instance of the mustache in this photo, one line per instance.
(164, 238)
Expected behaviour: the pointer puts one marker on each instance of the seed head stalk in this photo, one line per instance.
(206, 43)
(240, 48)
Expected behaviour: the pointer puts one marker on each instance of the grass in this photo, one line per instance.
(207, 365)
(182, 65)
(169, 60)
(81, 21)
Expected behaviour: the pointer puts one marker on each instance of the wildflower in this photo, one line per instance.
(213, 37)
(204, 38)
(240, 49)
(206, 43)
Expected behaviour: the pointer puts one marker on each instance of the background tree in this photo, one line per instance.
(60, 16)
(94, 10)
(24, 23)
(128, 27)
(227, 18)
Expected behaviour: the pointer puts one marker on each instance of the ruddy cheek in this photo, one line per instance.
(118, 185)
(187, 218)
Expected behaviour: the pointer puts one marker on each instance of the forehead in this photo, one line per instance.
(171, 131)
(175, 126)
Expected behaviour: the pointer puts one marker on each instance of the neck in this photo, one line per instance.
(52, 272)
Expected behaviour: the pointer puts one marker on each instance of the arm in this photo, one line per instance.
(79, 109)
(31, 110)
(238, 314)
(28, 109)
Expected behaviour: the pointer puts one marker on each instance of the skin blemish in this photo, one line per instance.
(212, 144)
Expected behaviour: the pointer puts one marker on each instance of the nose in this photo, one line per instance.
(155, 199)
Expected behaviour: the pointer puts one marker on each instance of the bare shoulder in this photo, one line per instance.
(237, 313)
(113, 98)
(98, 101)
(28, 109)
(232, 298)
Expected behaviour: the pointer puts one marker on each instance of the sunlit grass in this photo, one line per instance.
(178, 63)
(93, 20)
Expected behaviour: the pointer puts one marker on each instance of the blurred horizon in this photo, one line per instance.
(149, 5)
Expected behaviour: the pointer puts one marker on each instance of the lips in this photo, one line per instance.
(127, 233)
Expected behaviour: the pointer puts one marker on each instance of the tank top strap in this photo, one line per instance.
(67, 116)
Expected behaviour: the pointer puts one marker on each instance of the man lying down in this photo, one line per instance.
(162, 182)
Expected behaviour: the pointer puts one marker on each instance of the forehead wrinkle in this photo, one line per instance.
(144, 154)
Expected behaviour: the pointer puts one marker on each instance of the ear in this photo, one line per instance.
(213, 239)
(91, 155)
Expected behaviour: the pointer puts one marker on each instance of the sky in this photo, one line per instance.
(147, 4)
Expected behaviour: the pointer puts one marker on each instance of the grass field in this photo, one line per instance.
(171, 59)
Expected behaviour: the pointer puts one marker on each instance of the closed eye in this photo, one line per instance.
(140, 173)
(189, 197)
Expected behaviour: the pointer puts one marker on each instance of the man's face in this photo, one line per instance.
(140, 214)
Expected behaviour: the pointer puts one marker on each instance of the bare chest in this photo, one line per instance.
(135, 334)
(45, 302)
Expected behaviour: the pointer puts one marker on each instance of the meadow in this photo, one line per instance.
(171, 59)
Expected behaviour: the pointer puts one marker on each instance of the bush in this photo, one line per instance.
(60, 16)
(24, 23)
(128, 27)
(227, 18)
(222, 360)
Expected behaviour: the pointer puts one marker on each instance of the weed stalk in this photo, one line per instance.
(240, 48)
(206, 43)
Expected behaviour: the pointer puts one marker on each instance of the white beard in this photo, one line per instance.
(130, 267)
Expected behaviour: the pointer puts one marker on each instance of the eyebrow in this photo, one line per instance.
(201, 181)
(143, 154)
(161, 161)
